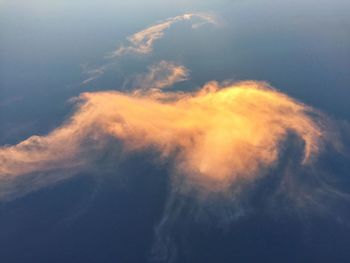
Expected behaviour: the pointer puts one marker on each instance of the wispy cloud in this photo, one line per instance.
(222, 142)
(161, 75)
(142, 42)
(93, 73)
(216, 136)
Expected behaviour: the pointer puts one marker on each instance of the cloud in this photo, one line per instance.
(142, 42)
(231, 148)
(216, 136)
(161, 75)
(93, 73)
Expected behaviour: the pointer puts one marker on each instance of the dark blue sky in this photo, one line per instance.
(111, 213)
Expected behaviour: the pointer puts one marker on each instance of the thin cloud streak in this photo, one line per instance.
(93, 73)
(142, 42)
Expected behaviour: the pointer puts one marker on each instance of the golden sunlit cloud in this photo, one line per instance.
(218, 134)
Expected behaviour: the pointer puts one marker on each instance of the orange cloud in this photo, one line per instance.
(216, 135)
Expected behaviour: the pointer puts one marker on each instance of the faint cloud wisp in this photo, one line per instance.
(160, 75)
(141, 43)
